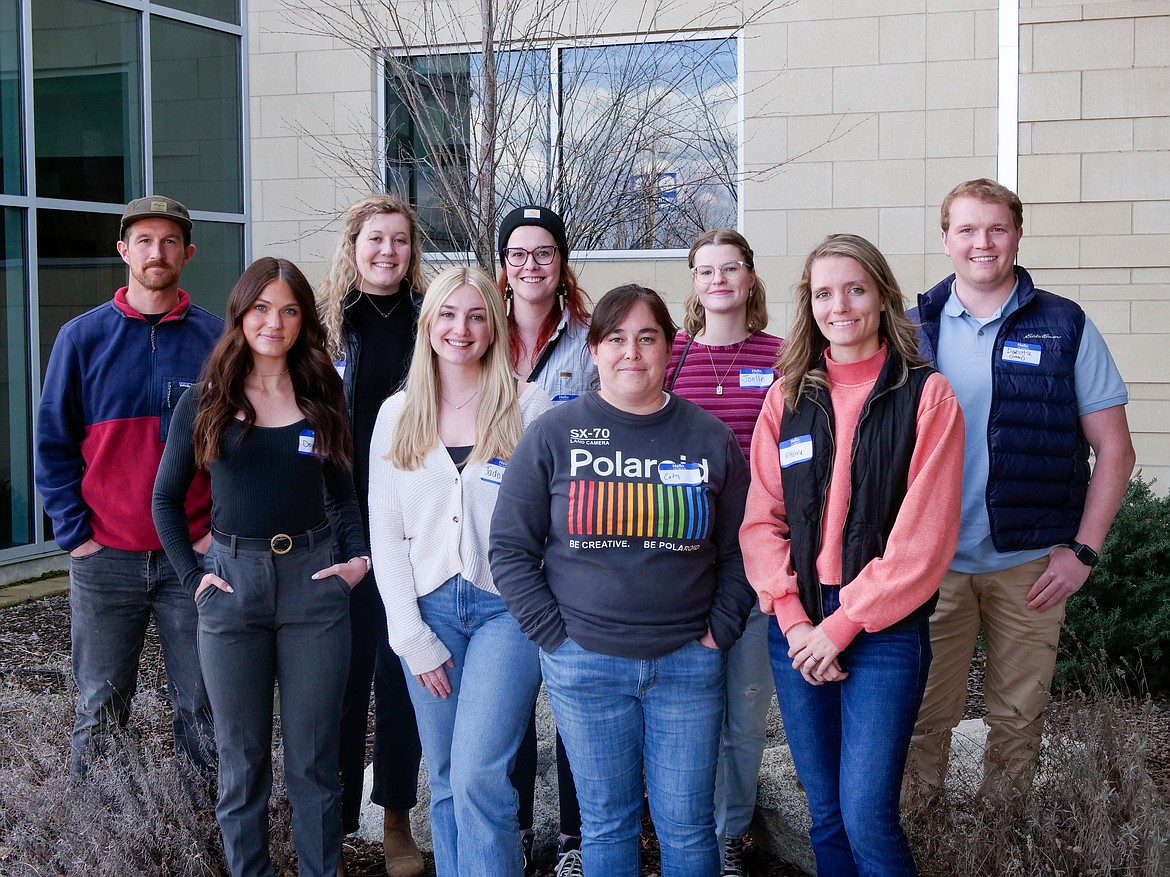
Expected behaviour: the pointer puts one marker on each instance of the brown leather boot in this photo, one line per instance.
(398, 847)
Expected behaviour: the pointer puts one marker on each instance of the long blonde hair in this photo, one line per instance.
(805, 345)
(497, 421)
(341, 275)
(694, 315)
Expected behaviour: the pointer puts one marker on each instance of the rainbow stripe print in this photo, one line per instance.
(625, 508)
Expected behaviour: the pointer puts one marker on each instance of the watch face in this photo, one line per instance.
(1085, 554)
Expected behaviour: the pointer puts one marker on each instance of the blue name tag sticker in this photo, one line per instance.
(759, 378)
(306, 442)
(680, 473)
(493, 471)
(1024, 354)
(561, 398)
(340, 366)
(796, 450)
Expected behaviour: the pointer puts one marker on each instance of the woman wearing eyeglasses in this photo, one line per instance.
(548, 321)
(724, 361)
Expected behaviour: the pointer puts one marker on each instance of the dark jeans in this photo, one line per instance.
(112, 595)
(524, 780)
(278, 626)
(397, 751)
(849, 740)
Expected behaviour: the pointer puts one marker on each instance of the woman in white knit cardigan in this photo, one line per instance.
(438, 453)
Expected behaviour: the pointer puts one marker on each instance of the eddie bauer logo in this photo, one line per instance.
(1044, 336)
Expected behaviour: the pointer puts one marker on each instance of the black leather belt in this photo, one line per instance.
(281, 543)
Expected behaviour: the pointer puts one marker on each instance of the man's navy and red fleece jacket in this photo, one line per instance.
(112, 384)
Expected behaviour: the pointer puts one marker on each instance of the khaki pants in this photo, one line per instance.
(1021, 659)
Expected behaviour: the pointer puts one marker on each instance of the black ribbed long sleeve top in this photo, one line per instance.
(263, 484)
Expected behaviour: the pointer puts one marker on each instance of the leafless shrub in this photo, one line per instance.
(1094, 808)
(140, 810)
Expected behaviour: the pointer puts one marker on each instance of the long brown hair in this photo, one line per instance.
(316, 383)
(341, 275)
(694, 315)
(805, 345)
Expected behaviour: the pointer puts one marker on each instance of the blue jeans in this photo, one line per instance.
(112, 595)
(849, 740)
(620, 717)
(278, 626)
(749, 695)
(470, 738)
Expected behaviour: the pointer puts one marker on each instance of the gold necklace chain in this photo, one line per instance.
(720, 381)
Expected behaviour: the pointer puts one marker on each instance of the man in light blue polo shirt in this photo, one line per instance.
(1039, 390)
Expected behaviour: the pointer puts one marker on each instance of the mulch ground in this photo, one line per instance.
(34, 650)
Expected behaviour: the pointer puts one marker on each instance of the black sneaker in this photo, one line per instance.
(733, 865)
(569, 858)
(527, 838)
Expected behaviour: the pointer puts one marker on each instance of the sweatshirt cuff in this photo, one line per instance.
(841, 629)
(430, 656)
(789, 612)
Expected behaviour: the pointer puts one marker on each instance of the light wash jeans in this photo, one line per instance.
(620, 717)
(470, 738)
(112, 596)
(741, 748)
(848, 741)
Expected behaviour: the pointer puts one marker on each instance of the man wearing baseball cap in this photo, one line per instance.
(114, 378)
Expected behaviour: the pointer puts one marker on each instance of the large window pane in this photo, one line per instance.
(87, 100)
(224, 10)
(197, 116)
(16, 497)
(428, 137)
(649, 141)
(11, 144)
(218, 263)
(78, 268)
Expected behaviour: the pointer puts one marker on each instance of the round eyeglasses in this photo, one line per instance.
(729, 270)
(518, 256)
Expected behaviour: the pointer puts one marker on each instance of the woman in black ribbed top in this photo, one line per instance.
(268, 422)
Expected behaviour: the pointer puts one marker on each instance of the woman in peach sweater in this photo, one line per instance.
(852, 518)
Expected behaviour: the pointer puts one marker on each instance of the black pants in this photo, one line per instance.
(397, 751)
(524, 781)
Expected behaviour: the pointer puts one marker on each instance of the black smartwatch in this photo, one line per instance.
(1085, 554)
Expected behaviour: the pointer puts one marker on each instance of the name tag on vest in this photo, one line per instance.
(1024, 354)
(796, 450)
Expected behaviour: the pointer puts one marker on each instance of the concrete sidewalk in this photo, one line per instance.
(23, 592)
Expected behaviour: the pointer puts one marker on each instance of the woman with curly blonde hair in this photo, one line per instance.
(369, 305)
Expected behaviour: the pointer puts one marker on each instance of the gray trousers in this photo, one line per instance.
(279, 626)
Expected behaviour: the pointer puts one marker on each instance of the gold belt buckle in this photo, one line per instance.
(280, 544)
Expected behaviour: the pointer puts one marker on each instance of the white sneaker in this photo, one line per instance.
(569, 865)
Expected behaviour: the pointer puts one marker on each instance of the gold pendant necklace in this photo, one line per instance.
(718, 380)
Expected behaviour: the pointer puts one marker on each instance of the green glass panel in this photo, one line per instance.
(223, 10)
(11, 141)
(198, 127)
(87, 101)
(16, 488)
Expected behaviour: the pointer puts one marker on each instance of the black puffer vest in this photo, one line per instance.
(882, 449)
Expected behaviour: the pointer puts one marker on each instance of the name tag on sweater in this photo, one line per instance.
(680, 473)
(1024, 354)
(306, 442)
(796, 450)
(493, 471)
(756, 377)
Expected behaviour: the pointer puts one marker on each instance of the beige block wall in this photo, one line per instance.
(1095, 179)
(873, 110)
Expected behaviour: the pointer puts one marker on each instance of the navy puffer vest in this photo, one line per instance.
(1039, 457)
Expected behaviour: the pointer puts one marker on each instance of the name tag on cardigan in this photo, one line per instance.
(1024, 354)
(493, 471)
(756, 377)
(796, 450)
